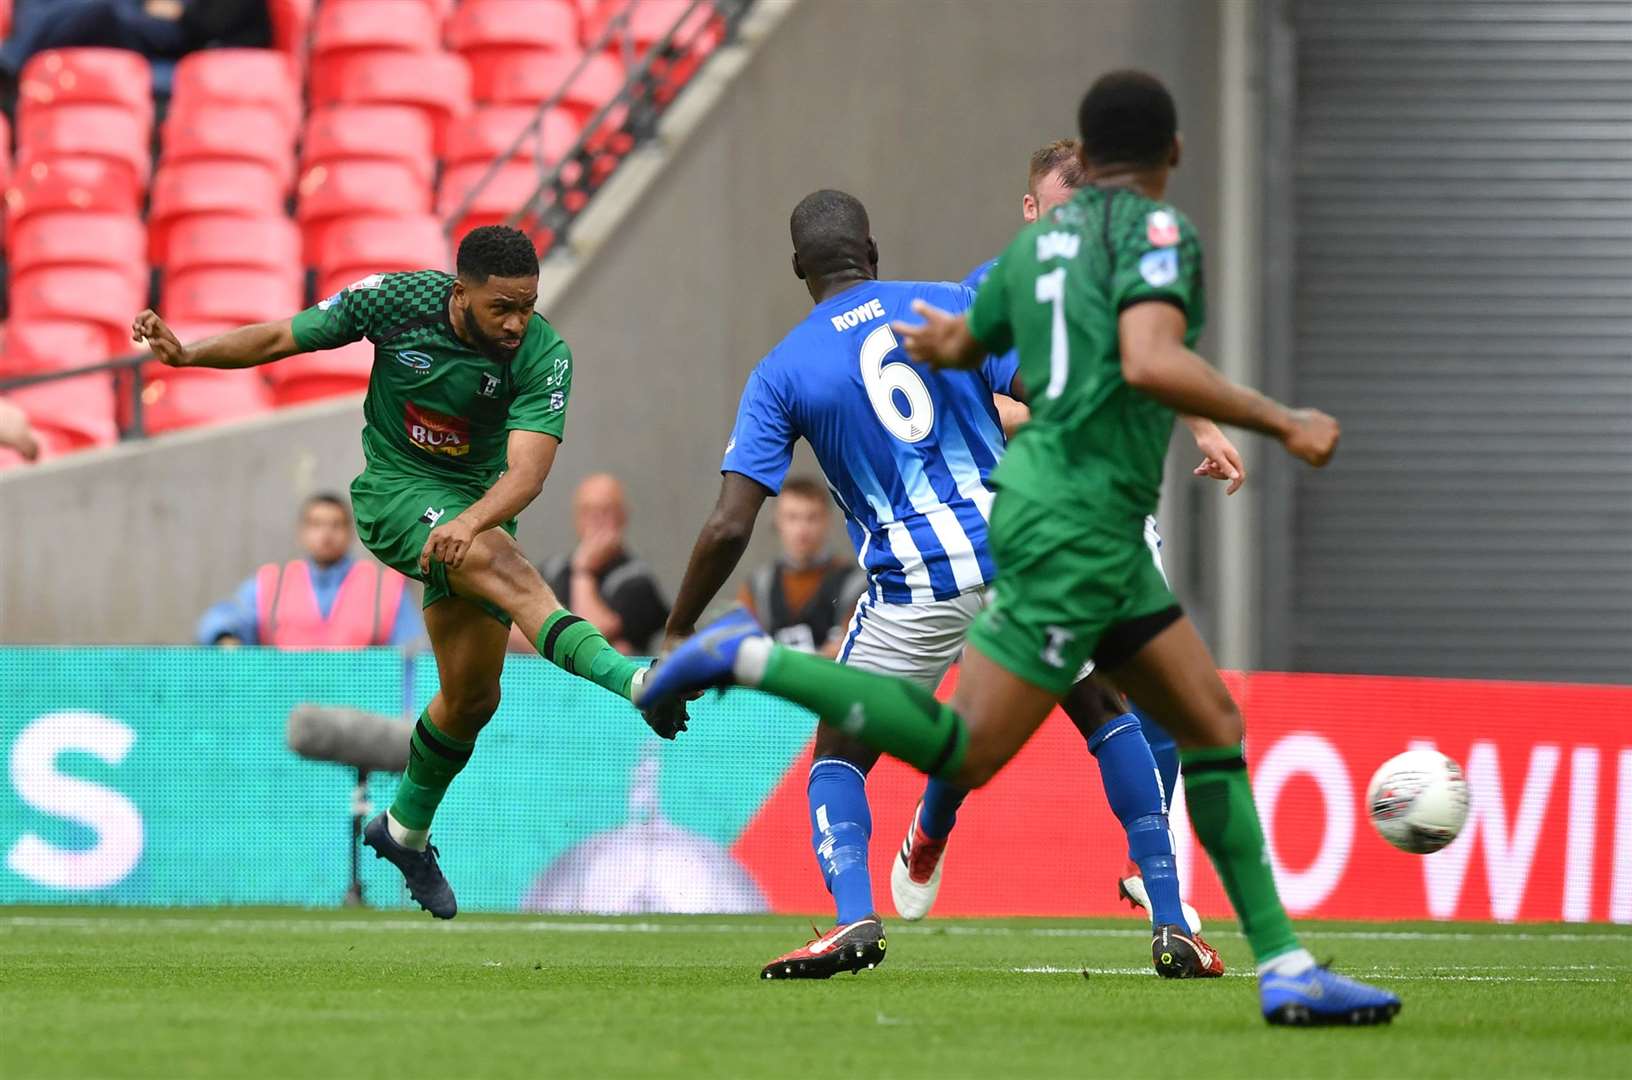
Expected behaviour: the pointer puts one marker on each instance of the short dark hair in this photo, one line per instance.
(830, 231)
(805, 487)
(1062, 156)
(326, 498)
(1128, 118)
(496, 251)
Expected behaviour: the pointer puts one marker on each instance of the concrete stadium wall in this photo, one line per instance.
(926, 110)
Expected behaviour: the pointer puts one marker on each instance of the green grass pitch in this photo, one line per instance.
(102, 992)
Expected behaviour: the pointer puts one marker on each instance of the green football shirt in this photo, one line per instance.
(435, 406)
(1055, 295)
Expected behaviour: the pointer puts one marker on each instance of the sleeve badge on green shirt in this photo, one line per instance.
(1161, 228)
(1159, 268)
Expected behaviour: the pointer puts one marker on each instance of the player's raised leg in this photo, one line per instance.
(469, 647)
(495, 571)
(1172, 675)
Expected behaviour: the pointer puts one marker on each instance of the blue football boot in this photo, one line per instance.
(1319, 997)
(704, 660)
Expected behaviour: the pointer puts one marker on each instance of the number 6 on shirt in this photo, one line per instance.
(882, 380)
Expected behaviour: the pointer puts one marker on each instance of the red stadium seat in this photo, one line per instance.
(177, 398)
(529, 77)
(72, 238)
(70, 415)
(491, 132)
(214, 131)
(291, 20)
(232, 295)
(354, 188)
(93, 294)
(480, 28)
(238, 77)
(86, 131)
(87, 76)
(506, 193)
(312, 376)
(351, 28)
(361, 132)
(651, 20)
(71, 184)
(39, 345)
(5, 151)
(436, 83)
(234, 188)
(224, 241)
(353, 248)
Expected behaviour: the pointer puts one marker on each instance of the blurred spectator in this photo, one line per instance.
(601, 581)
(806, 597)
(158, 29)
(16, 433)
(326, 600)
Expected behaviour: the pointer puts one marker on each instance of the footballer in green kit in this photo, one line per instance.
(466, 406)
(1103, 298)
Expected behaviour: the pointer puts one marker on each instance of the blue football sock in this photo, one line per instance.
(841, 824)
(1133, 790)
(940, 809)
(1164, 750)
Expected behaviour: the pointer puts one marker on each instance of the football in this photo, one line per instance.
(1418, 800)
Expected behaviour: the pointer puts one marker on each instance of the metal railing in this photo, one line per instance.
(645, 94)
(132, 363)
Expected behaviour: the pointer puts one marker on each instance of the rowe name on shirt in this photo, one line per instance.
(853, 318)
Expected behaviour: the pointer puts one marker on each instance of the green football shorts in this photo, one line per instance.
(1069, 589)
(395, 515)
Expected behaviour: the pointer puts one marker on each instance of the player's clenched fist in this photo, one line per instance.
(448, 544)
(149, 328)
(1312, 437)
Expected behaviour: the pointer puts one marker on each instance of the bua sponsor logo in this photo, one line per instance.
(437, 432)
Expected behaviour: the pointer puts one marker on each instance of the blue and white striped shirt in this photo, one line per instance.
(907, 449)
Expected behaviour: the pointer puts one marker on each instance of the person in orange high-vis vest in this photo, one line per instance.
(327, 600)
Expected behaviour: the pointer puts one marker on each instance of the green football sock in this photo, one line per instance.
(888, 714)
(576, 647)
(434, 759)
(1225, 820)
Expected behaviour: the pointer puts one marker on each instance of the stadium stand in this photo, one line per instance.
(276, 171)
(369, 132)
(497, 131)
(340, 189)
(73, 238)
(312, 376)
(99, 295)
(241, 77)
(226, 241)
(232, 131)
(358, 246)
(190, 188)
(86, 77)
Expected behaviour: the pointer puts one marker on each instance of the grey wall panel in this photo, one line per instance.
(926, 109)
(1463, 303)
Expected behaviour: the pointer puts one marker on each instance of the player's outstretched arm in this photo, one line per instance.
(247, 346)
(529, 457)
(941, 339)
(719, 548)
(1156, 361)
